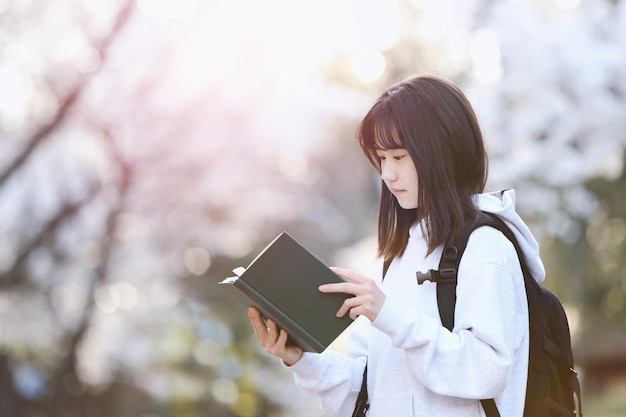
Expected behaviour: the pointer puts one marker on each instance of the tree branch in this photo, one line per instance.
(69, 209)
(44, 131)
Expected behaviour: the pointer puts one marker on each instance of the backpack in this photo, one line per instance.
(553, 388)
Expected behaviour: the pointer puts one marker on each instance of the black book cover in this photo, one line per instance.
(282, 283)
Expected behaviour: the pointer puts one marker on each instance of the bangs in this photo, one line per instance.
(378, 131)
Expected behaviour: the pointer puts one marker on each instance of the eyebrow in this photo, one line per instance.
(389, 149)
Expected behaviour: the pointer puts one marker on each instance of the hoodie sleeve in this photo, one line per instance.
(334, 377)
(474, 360)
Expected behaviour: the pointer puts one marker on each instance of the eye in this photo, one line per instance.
(398, 156)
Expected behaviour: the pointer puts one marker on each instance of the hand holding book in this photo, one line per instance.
(273, 339)
(368, 298)
(282, 283)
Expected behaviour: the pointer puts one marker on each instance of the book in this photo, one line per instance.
(282, 283)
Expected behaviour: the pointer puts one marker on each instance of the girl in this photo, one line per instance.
(423, 138)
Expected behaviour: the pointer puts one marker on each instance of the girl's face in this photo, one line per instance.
(398, 172)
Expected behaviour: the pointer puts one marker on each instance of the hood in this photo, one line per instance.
(502, 204)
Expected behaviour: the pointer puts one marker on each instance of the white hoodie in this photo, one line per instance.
(416, 367)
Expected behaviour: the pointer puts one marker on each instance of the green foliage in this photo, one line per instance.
(605, 236)
(589, 274)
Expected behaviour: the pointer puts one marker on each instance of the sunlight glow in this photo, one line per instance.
(292, 40)
(294, 166)
(14, 95)
(66, 298)
(567, 4)
(573, 317)
(485, 55)
(247, 405)
(225, 390)
(119, 295)
(378, 23)
(163, 295)
(168, 9)
(437, 18)
(197, 260)
(236, 243)
(369, 66)
(4, 5)
(207, 352)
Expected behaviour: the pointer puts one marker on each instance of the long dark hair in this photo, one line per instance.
(435, 122)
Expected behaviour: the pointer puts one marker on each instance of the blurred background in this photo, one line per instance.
(149, 147)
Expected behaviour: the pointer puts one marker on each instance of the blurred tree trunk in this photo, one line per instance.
(8, 397)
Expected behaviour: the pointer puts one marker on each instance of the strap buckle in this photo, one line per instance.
(445, 276)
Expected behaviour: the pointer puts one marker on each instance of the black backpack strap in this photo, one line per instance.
(446, 279)
(446, 276)
(362, 404)
(490, 407)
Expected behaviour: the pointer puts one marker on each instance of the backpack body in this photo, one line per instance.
(553, 389)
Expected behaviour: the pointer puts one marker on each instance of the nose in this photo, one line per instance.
(388, 172)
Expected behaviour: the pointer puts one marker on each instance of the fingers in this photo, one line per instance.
(282, 338)
(355, 306)
(257, 322)
(272, 333)
(368, 297)
(348, 274)
(345, 307)
(273, 339)
(343, 287)
(354, 282)
(357, 284)
(267, 332)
